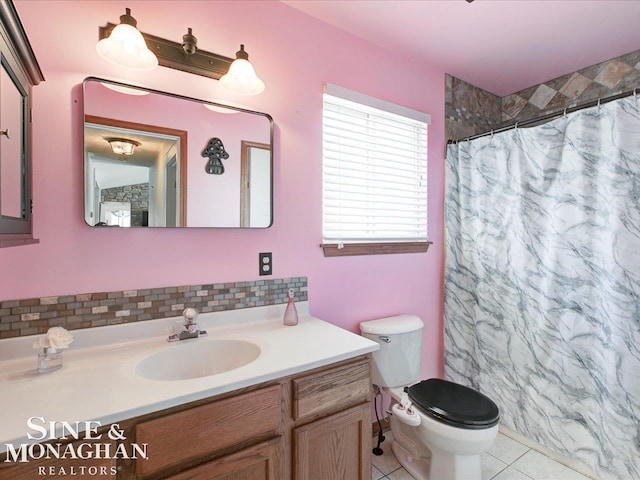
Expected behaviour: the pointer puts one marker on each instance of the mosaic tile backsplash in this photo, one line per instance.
(35, 316)
(469, 110)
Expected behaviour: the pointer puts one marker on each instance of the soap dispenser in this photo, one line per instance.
(290, 313)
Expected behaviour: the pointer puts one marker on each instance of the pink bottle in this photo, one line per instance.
(290, 313)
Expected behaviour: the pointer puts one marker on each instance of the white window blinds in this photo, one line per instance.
(374, 178)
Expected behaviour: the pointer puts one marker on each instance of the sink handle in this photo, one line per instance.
(190, 316)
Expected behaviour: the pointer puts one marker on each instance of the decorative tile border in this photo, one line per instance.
(602, 80)
(469, 110)
(35, 316)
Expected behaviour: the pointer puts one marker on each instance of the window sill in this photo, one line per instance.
(350, 249)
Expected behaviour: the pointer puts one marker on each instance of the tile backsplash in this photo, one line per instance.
(33, 316)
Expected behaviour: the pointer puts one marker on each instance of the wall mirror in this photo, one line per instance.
(155, 159)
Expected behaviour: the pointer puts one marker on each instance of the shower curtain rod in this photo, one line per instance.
(549, 116)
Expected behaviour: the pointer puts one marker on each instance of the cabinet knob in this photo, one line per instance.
(6, 133)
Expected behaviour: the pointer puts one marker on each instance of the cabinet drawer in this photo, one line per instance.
(331, 390)
(187, 436)
(259, 462)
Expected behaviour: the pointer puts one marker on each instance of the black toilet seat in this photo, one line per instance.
(454, 404)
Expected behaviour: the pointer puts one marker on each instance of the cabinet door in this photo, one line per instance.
(14, 194)
(19, 71)
(12, 98)
(335, 448)
(259, 462)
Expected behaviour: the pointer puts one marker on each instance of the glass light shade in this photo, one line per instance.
(242, 79)
(126, 47)
(122, 146)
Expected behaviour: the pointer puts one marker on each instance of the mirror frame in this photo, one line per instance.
(176, 96)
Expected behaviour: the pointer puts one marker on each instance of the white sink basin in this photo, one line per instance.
(197, 358)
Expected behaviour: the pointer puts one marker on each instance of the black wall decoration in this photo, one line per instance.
(216, 152)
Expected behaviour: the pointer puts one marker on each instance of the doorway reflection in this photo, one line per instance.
(149, 180)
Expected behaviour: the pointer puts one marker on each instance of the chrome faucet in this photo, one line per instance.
(191, 329)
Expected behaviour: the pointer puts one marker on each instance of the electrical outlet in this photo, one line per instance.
(266, 263)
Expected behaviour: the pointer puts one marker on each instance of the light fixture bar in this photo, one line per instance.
(172, 55)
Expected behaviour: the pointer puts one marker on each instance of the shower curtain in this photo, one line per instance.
(542, 281)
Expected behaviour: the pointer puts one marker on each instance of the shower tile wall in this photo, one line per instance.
(598, 81)
(470, 110)
(32, 316)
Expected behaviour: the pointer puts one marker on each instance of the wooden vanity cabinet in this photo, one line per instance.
(312, 426)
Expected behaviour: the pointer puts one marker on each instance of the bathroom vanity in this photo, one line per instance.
(300, 410)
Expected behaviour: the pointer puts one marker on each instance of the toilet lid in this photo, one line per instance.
(454, 404)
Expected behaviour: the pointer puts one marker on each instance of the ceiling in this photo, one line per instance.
(146, 155)
(502, 46)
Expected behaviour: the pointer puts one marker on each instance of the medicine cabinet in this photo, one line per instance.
(19, 72)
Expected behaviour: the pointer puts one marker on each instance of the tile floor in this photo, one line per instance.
(507, 459)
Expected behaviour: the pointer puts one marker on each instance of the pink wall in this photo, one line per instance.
(295, 55)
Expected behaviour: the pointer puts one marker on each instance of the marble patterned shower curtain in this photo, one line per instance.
(542, 281)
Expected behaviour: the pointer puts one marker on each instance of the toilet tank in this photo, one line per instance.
(397, 362)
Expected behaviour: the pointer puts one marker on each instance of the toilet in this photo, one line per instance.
(440, 428)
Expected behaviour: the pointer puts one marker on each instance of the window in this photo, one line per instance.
(374, 175)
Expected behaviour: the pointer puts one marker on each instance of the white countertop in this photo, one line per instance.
(97, 381)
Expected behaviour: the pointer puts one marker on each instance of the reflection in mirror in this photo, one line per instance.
(254, 193)
(146, 177)
(162, 179)
(11, 142)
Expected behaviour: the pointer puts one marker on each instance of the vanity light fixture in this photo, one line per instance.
(125, 46)
(242, 78)
(238, 76)
(122, 146)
